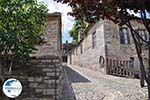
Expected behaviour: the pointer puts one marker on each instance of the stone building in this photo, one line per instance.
(42, 77)
(66, 47)
(108, 48)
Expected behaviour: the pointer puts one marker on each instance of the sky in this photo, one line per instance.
(67, 21)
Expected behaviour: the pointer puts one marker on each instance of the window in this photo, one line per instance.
(76, 51)
(124, 36)
(73, 52)
(132, 58)
(143, 35)
(94, 40)
(81, 49)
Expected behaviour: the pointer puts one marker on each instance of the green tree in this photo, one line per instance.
(118, 11)
(74, 34)
(21, 22)
(78, 25)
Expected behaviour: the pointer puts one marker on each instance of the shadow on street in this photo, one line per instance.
(71, 76)
(75, 77)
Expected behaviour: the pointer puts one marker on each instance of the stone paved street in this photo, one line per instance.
(86, 84)
(68, 93)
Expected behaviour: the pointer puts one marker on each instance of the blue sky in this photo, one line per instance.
(67, 21)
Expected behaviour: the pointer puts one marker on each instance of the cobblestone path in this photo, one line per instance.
(90, 85)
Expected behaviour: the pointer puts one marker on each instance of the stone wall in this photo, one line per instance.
(90, 56)
(41, 79)
(115, 49)
(52, 36)
(107, 46)
(122, 51)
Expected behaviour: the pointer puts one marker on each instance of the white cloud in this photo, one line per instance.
(67, 21)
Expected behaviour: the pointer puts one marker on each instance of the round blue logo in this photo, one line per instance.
(12, 88)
